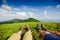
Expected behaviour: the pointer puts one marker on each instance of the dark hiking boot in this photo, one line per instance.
(43, 27)
(27, 27)
(38, 27)
(21, 28)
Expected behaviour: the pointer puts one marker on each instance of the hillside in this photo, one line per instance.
(31, 20)
(20, 20)
(8, 29)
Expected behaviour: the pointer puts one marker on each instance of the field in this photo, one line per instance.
(6, 30)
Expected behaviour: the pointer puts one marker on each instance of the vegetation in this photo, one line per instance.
(6, 30)
(20, 20)
(31, 20)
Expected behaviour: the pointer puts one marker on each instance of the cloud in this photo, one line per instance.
(53, 17)
(58, 6)
(31, 14)
(8, 13)
(6, 7)
(58, 13)
(24, 7)
(21, 13)
(15, 9)
(45, 13)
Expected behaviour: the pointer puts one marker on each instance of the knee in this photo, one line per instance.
(47, 32)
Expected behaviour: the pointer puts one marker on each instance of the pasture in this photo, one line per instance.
(6, 30)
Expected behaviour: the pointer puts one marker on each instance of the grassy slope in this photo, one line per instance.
(6, 30)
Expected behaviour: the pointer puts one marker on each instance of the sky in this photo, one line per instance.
(43, 10)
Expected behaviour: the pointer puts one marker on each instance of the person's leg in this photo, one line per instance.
(43, 27)
(46, 34)
(49, 32)
(28, 34)
(54, 33)
(16, 36)
(43, 33)
(41, 30)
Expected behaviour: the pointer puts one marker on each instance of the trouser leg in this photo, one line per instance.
(28, 35)
(16, 36)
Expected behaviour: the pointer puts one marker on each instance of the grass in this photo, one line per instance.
(6, 30)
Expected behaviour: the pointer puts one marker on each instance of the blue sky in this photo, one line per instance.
(44, 10)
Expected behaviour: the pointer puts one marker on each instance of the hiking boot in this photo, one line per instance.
(43, 27)
(38, 27)
(21, 28)
(27, 27)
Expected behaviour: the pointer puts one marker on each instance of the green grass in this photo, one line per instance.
(6, 30)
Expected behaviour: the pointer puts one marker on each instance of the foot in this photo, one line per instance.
(43, 27)
(38, 27)
(27, 27)
(21, 28)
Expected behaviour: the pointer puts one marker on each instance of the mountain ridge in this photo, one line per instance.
(20, 20)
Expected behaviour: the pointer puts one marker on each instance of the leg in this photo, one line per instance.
(43, 33)
(28, 35)
(41, 30)
(47, 35)
(54, 33)
(16, 36)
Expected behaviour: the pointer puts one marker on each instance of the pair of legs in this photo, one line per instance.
(17, 36)
(43, 31)
(49, 35)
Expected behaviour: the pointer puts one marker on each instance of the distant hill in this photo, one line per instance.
(31, 20)
(20, 20)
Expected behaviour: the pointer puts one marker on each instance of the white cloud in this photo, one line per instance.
(45, 13)
(24, 7)
(50, 16)
(47, 17)
(31, 14)
(58, 13)
(6, 7)
(8, 13)
(15, 9)
(58, 6)
(53, 17)
(5, 12)
(21, 13)
(48, 7)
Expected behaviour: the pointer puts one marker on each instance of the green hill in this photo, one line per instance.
(31, 20)
(20, 20)
(6, 30)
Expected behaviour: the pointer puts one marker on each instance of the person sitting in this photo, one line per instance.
(17, 36)
(47, 34)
